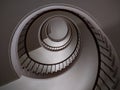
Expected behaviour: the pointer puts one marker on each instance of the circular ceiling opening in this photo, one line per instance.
(57, 28)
